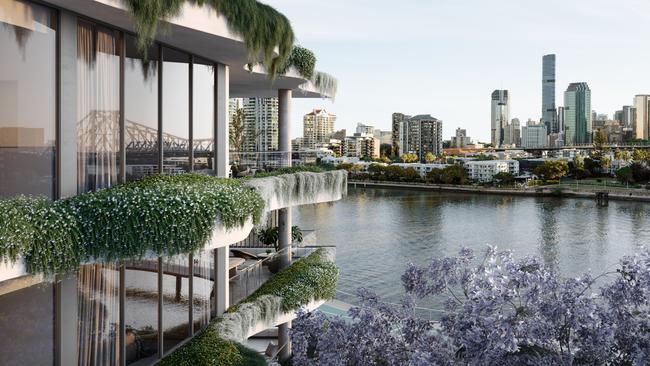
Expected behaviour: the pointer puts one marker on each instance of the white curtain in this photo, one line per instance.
(98, 108)
(203, 269)
(99, 314)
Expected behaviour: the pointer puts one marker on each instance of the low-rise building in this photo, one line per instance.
(484, 171)
(422, 168)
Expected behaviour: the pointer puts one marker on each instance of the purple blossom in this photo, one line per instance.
(503, 311)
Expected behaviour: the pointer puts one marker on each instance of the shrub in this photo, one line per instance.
(311, 278)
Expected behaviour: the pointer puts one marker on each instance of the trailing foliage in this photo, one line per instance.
(262, 27)
(208, 349)
(165, 215)
(303, 60)
(291, 170)
(311, 278)
(325, 83)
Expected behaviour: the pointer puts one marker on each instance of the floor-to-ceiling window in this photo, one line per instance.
(27, 326)
(27, 98)
(203, 115)
(175, 107)
(140, 110)
(98, 107)
(99, 314)
(141, 311)
(176, 301)
(203, 287)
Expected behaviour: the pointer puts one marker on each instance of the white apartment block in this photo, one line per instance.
(260, 124)
(484, 171)
(422, 168)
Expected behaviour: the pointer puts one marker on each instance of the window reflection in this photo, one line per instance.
(99, 314)
(203, 116)
(141, 313)
(176, 305)
(27, 326)
(140, 111)
(176, 126)
(27, 99)
(98, 107)
(203, 284)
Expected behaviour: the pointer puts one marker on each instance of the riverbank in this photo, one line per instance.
(557, 190)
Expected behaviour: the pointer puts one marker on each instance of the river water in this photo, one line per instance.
(378, 231)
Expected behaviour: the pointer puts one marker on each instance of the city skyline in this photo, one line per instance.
(462, 51)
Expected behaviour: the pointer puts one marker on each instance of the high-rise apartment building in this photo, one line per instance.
(420, 135)
(549, 112)
(260, 124)
(642, 106)
(500, 115)
(318, 127)
(398, 118)
(512, 133)
(577, 114)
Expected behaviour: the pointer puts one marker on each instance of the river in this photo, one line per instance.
(378, 231)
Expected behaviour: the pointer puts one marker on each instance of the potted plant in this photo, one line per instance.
(270, 236)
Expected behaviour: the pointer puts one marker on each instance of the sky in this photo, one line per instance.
(445, 57)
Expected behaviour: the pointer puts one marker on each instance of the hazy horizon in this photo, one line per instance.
(445, 58)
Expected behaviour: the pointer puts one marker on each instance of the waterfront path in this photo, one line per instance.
(554, 190)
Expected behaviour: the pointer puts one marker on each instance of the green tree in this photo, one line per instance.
(600, 143)
(236, 131)
(552, 169)
(625, 175)
(605, 162)
(434, 176)
(409, 158)
(411, 175)
(429, 158)
(454, 174)
(504, 178)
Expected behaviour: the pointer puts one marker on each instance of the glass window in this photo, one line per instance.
(176, 302)
(203, 284)
(141, 313)
(98, 107)
(203, 115)
(27, 326)
(176, 125)
(27, 99)
(140, 110)
(99, 314)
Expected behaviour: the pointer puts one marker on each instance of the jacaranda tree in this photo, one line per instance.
(503, 311)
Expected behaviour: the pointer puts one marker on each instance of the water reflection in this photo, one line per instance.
(378, 231)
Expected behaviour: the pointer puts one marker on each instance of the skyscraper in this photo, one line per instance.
(500, 115)
(577, 114)
(260, 124)
(318, 127)
(642, 106)
(549, 112)
(398, 118)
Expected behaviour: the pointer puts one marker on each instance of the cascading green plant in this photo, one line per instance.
(303, 60)
(165, 215)
(263, 28)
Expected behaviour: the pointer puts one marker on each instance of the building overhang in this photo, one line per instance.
(200, 30)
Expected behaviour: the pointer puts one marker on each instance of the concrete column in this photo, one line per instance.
(65, 326)
(284, 339)
(222, 124)
(221, 283)
(67, 159)
(284, 124)
(284, 236)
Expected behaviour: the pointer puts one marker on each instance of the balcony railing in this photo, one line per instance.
(258, 271)
(248, 163)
